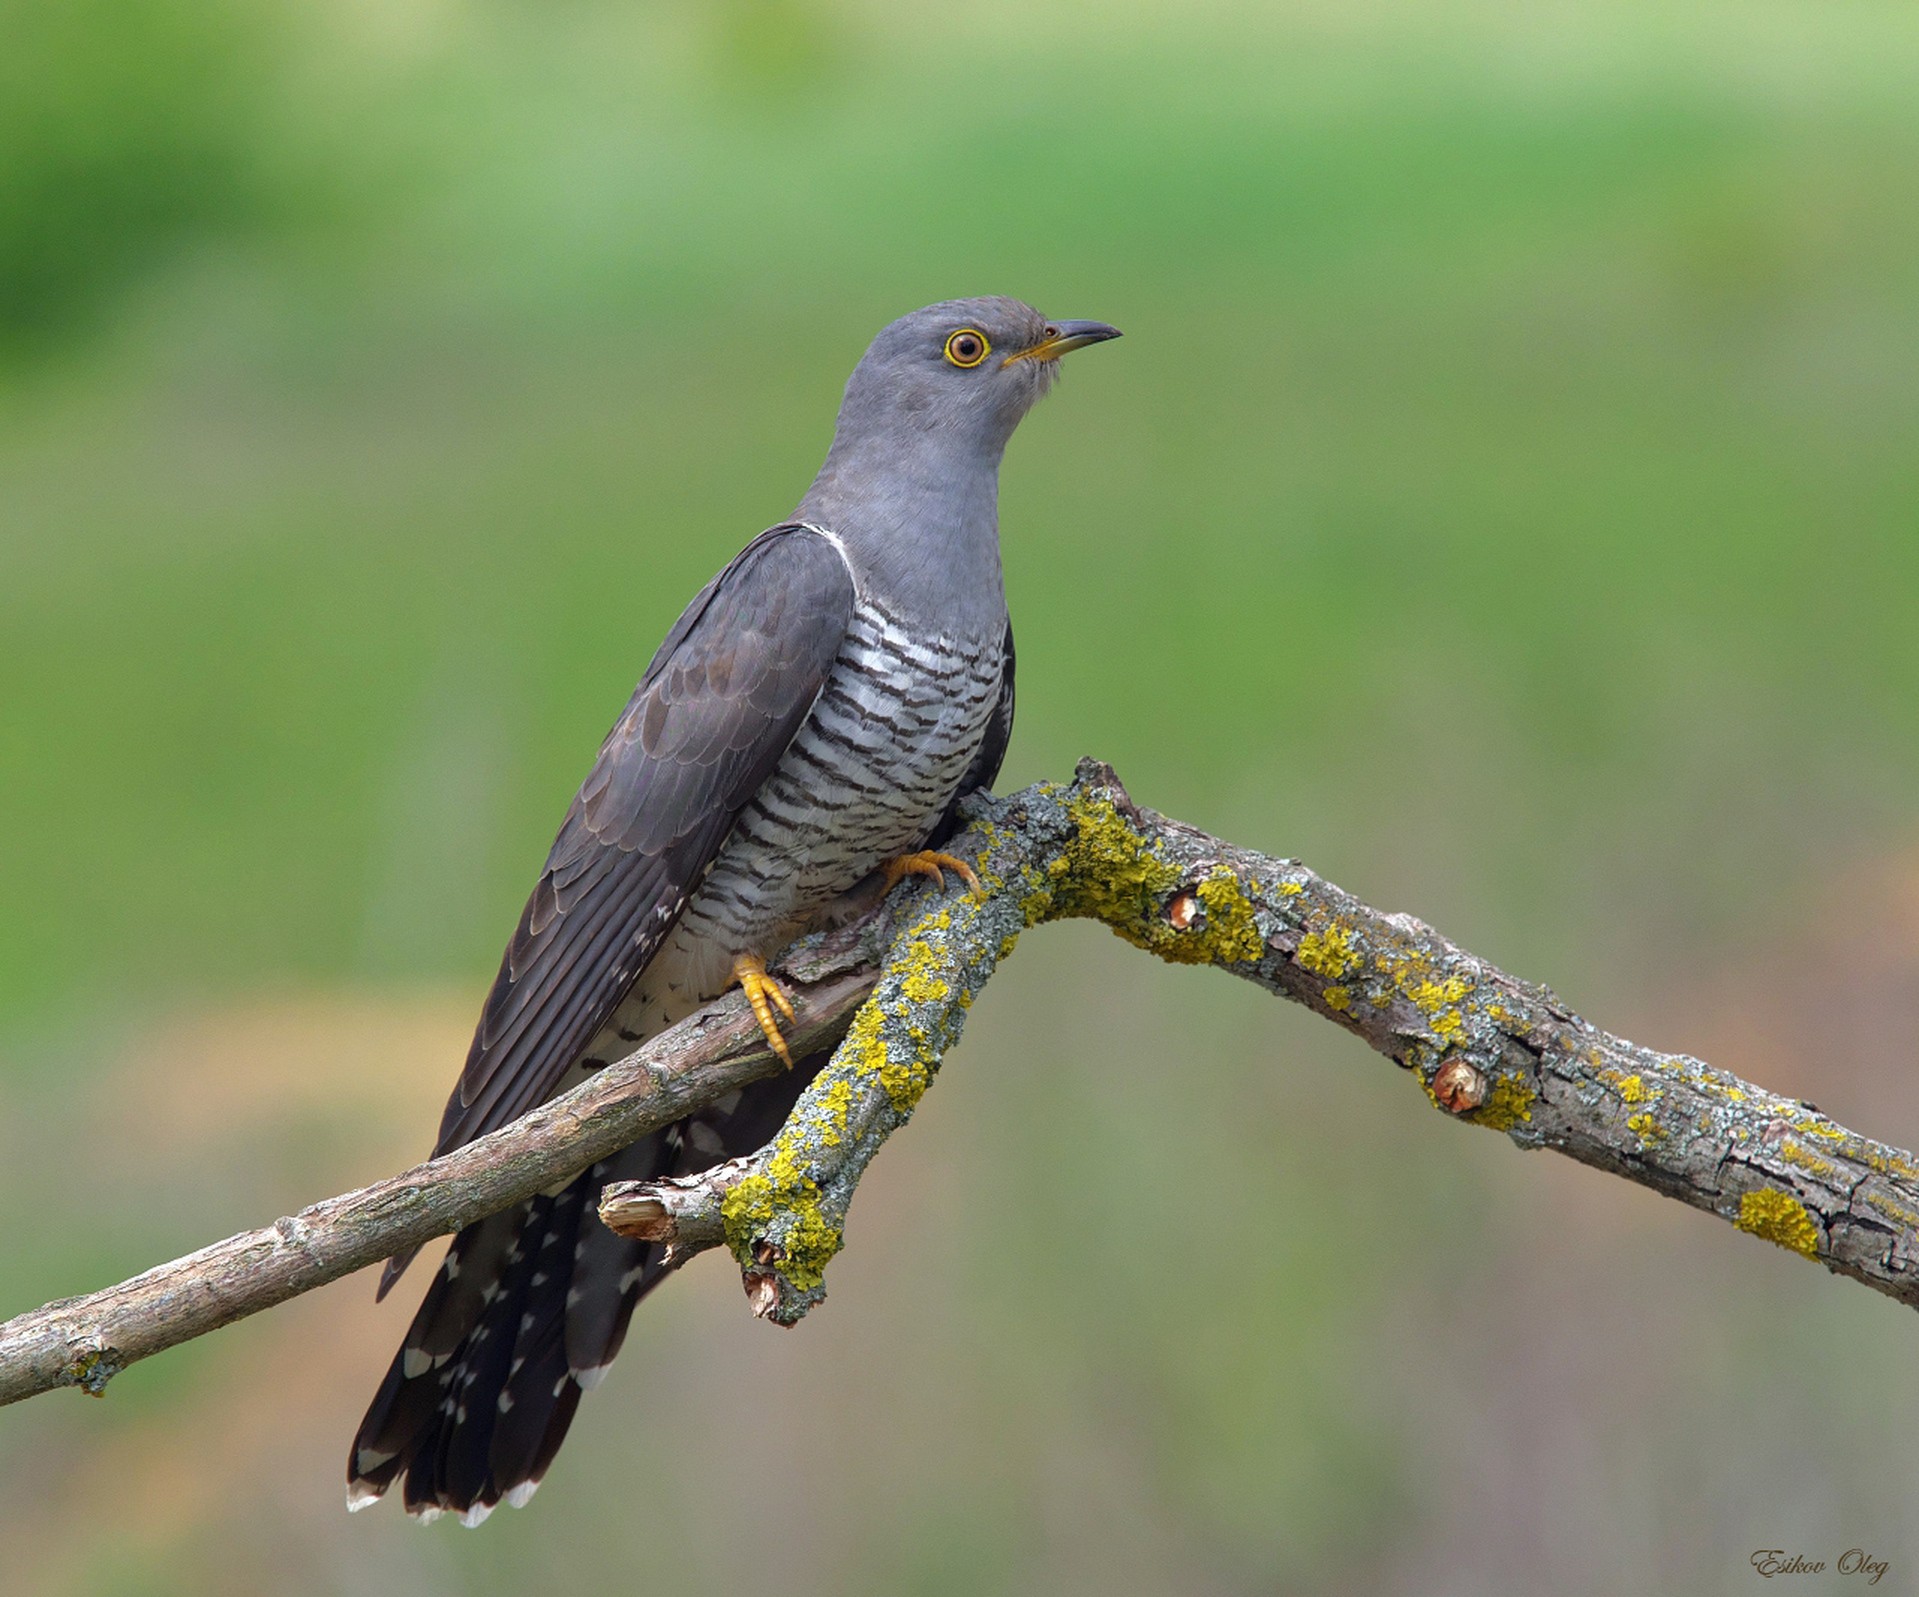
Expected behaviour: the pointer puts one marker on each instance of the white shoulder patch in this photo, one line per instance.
(839, 544)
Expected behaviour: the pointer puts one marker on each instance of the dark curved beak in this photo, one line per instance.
(1062, 338)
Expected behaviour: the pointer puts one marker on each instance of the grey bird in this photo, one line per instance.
(806, 730)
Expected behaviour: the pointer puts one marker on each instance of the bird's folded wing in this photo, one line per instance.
(709, 722)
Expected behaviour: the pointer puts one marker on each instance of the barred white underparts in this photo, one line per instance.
(867, 778)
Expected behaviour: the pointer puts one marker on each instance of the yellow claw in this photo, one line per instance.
(928, 862)
(765, 994)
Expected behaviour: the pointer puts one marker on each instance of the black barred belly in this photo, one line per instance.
(867, 778)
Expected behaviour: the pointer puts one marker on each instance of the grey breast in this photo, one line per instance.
(867, 777)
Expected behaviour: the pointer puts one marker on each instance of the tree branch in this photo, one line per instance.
(1483, 1046)
(86, 1341)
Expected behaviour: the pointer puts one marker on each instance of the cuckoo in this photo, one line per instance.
(806, 731)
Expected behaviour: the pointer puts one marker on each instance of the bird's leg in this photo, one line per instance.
(927, 862)
(764, 994)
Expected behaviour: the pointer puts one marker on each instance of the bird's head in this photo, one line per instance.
(968, 369)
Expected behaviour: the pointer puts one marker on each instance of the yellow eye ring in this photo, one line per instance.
(967, 348)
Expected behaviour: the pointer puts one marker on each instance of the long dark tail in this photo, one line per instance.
(526, 1313)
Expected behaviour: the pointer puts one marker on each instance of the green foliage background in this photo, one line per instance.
(1506, 498)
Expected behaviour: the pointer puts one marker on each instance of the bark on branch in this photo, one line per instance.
(1483, 1047)
(86, 1341)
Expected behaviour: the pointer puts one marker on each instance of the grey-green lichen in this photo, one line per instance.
(93, 1369)
(1108, 872)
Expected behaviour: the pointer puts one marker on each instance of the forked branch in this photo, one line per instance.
(1483, 1046)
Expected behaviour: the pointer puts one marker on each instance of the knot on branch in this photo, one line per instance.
(93, 1369)
(1109, 865)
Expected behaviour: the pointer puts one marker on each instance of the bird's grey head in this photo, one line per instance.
(968, 369)
(928, 411)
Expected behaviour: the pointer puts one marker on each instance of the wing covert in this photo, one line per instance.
(706, 726)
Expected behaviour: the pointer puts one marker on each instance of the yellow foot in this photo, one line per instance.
(928, 862)
(764, 994)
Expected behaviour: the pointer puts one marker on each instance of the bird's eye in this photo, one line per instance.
(967, 348)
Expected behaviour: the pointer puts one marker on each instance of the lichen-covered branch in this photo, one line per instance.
(86, 1341)
(1482, 1045)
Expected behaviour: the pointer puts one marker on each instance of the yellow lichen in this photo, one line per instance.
(1509, 1103)
(833, 1105)
(1411, 973)
(1905, 1214)
(1645, 1128)
(1792, 1153)
(1703, 1078)
(1633, 1090)
(784, 1190)
(1890, 1162)
(1430, 996)
(1339, 998)
(1291, 889)
(1780, 1218)
(1112, 874)
(810, 1240)
(1328, 953)
(918, 980)
(1231, 932)
(904, 1081)
(93, 1369)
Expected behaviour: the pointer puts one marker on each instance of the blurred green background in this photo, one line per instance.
(1506, 498)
